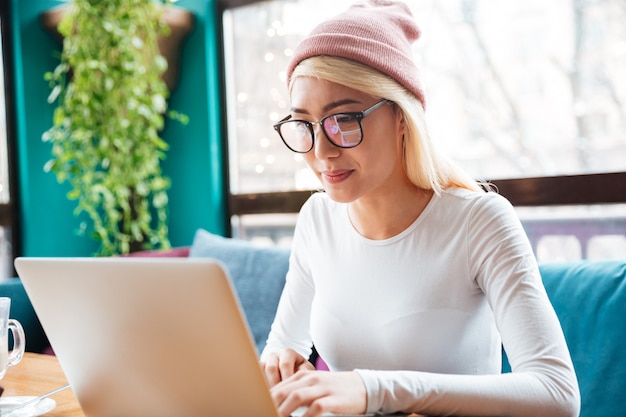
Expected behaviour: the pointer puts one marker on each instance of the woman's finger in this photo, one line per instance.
(271, 370)
(341, 392)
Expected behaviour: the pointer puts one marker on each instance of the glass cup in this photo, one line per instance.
(19, 340)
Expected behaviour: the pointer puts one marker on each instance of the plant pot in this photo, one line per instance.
(179, 20)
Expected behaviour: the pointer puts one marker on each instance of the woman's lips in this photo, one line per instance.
(335, 177)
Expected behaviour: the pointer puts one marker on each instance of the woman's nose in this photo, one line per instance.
(322, 147)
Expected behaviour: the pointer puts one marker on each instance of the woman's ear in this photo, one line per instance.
(400, 119)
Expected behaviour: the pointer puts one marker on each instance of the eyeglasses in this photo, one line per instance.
(343, 130)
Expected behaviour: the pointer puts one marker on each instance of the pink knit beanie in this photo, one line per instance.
(377, 33)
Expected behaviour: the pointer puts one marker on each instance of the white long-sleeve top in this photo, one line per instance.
(422, 316)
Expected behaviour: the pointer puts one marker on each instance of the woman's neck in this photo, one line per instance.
(386, 215)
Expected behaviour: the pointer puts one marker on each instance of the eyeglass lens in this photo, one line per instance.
(343, 130)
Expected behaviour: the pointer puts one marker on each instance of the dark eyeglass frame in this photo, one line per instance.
(358, 115)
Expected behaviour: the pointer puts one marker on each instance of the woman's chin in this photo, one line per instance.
(340, 196)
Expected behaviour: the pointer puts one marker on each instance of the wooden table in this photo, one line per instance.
(37, 374)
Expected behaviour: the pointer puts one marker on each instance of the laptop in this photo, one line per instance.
(148, 337)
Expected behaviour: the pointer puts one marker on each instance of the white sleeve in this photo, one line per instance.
(291, 326)
(543, 382)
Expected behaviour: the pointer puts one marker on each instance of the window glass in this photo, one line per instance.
(514, 89)
(560, 233)
(520, 88)
(6, 253)
(565, 233)
(265, 229)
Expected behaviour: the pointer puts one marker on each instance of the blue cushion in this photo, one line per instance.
(258, 274)
(589, 298)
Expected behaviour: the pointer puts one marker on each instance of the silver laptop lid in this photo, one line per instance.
(148, 337)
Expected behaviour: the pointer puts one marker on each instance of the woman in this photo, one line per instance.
(405, 275)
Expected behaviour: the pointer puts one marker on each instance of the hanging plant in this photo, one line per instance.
(111, 103)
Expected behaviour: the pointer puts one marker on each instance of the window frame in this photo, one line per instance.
(584, 189)
(9, 211)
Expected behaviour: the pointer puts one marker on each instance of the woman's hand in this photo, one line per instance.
(321, 392)
(282, 365)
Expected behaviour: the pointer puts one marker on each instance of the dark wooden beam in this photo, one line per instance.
(266, 203)
(227, 4)
(5, 215)
(607, 188)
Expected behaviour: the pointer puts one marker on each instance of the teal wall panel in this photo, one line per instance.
(194, 162)
(46, 218)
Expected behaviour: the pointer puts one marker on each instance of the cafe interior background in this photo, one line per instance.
(516, 89)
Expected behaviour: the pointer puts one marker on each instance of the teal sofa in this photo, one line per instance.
(589, 298)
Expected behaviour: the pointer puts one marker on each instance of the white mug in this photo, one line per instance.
(19, 340)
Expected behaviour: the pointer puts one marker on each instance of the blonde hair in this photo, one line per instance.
(425, 166)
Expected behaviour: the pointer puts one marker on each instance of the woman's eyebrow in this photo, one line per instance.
(327, 107)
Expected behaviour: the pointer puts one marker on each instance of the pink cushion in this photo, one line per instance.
(178, 252)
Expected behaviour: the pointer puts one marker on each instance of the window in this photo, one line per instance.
(514, 89)
(8, 235)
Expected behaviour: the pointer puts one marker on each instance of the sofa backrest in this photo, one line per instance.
(258, 275)
(589, 298)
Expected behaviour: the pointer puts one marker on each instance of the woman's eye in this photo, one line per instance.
(344, 118)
